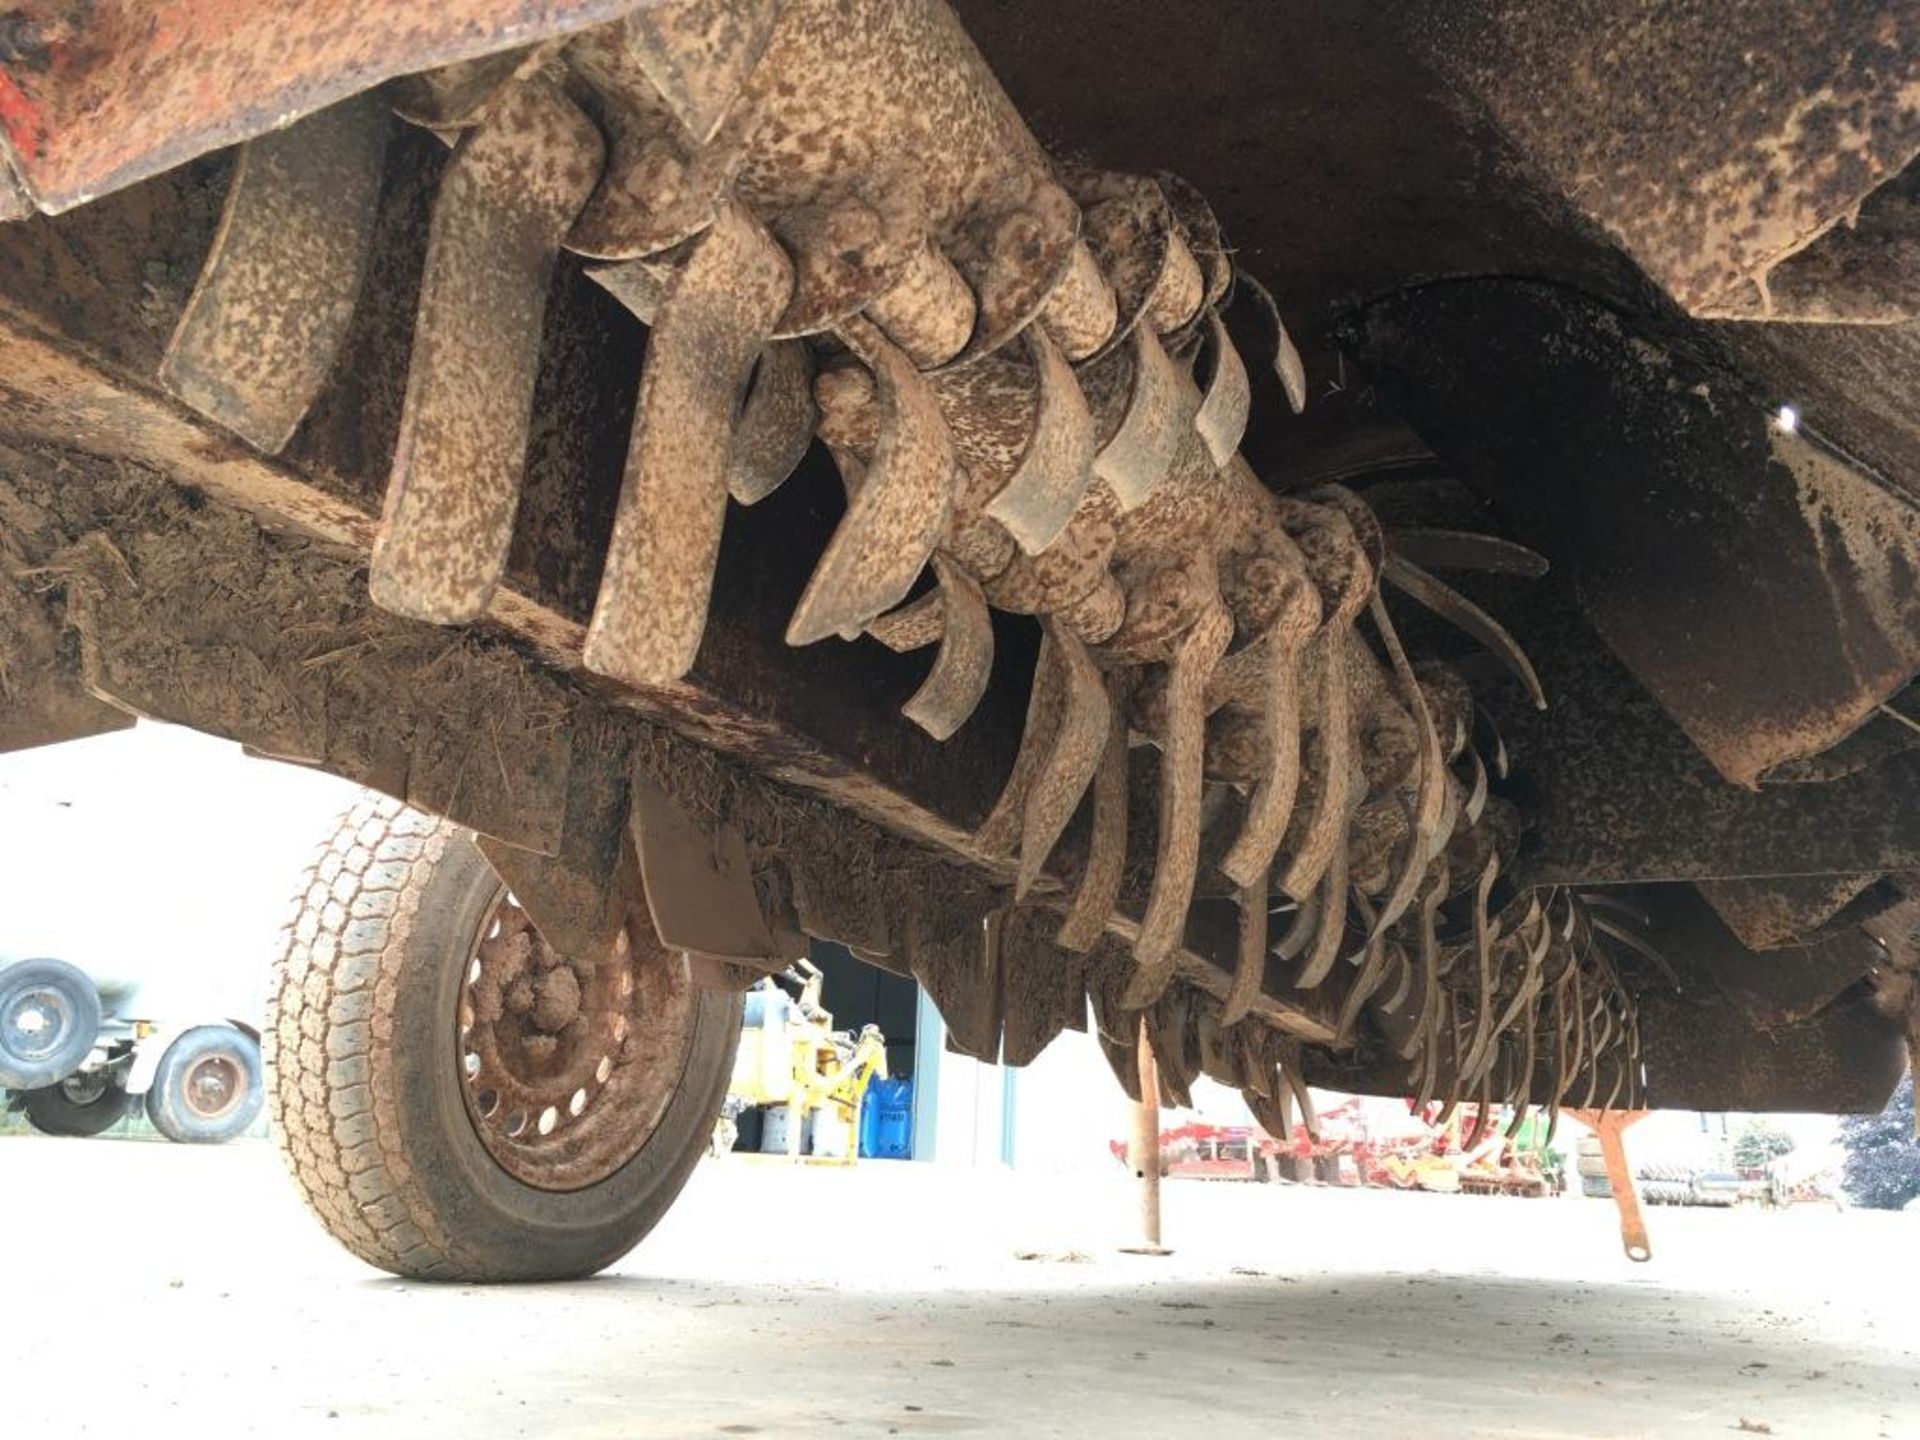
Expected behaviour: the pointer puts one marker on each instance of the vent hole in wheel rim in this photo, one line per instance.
(472, 1063)
(557, 1100)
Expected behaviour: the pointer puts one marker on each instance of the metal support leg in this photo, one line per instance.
(1611, 1127)
(1143, 1151)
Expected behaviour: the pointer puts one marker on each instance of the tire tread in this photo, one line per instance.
(329, 1088)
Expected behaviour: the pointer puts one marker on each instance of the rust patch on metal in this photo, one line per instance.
(96, 99)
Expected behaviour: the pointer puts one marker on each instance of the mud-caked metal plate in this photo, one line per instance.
(505, 203)
(274, 299)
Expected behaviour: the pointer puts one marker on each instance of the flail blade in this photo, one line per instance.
(897, 514)
(1099, 888)
(1484, 960)
(1640, 946)
(1561, 1074)
(777, 420)
(1080, 311)
(1371, 974)
(1250, 969)
(1296, 1082)
(1039, 499)
(1159, 410)
(1286, 356)
(1332, 930)
(1427, 961)
(1482, 1112)
(1300, 931)
(1326, 827)
(1466, 550)
(274, 299)
(1182, 781)
(1476, 801)
(929, 312)
(1443, 1026)
(1457, 610)
(1530, 973)
(1430, 797)
(1000, 831)
(1402, 989)
(1249, 1060)
(1270, 807)
(1581, 1031)
(1528, 1058)
(776, 425)
(1078, 742)
(717, 313)
(964, 663)
(512, 190)
(1222, 421)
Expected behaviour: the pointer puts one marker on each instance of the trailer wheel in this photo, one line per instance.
(458, 1101)
(49, 1018)
(208, 1087)
(83, 1104)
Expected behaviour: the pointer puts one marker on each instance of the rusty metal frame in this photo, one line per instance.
(93, 101)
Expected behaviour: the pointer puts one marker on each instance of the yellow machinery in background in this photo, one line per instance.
(791, 1057)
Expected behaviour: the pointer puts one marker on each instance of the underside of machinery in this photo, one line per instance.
(1377, 541)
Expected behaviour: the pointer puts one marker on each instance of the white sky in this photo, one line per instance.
(161, 855)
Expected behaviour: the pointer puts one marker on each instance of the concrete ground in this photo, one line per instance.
(155, 1289)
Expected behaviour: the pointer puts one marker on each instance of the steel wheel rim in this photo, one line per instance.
(35, 1023)
(85, 1088)
(567, 1065)
(214, 1086)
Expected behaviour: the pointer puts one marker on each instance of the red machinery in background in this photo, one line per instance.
(1358, 1142)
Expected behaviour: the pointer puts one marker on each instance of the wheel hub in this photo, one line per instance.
(568, 1061)
(213, 1086)
(34, 1023)
(86, 1087)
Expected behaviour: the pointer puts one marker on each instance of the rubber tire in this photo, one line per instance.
(19, 1072)
(52, 1112)
(364, 1086)
(166, 1103)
